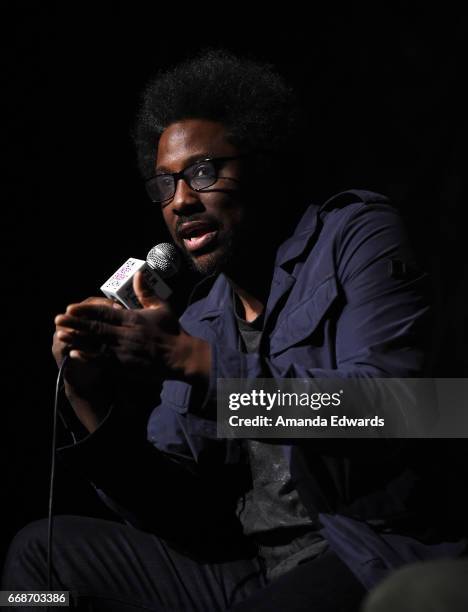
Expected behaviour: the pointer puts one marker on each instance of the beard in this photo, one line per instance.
(214, 262)
(233, 249)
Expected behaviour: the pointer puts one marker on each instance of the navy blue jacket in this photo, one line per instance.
(346, 300)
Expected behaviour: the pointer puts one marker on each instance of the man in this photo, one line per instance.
(217, 524)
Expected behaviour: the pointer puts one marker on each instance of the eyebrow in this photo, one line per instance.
(193, 159)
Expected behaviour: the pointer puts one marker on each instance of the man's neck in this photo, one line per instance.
(252, 288)
(252, 306)
(251, 279)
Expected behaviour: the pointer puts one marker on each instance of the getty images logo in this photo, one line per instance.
(281, 399)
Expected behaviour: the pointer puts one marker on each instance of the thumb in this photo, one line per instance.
(145, 293)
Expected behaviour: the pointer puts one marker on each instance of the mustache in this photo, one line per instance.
(196, 217)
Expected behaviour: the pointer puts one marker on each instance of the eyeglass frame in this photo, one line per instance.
(181, 175)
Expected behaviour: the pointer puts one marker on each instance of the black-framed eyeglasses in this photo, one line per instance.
(199, 176)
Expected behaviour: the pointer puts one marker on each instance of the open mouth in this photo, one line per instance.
(197, 235)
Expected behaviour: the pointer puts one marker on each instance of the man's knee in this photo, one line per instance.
(26, 560)
(27, 556)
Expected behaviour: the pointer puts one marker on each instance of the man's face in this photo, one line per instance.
(206, 225)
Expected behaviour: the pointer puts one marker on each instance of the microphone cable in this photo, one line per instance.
(56, 414)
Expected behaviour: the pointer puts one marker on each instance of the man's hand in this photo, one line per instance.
(61, 348)
(89, 374)
(146, 343)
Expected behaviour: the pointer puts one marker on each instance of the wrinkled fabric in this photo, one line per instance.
(347, 300)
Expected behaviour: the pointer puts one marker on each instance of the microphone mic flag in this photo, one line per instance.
(162, 261)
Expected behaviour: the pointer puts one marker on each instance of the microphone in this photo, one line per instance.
(162, 261)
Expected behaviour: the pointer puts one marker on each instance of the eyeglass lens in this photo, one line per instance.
(199, 176)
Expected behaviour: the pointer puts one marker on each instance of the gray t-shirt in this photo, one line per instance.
(271, 511)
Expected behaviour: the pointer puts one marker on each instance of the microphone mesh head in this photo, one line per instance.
(164, 259)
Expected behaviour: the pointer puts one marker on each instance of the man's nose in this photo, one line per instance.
(184, 197)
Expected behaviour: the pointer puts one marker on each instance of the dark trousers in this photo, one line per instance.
(113, 567)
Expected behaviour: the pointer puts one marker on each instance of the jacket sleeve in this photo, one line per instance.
(153, 490)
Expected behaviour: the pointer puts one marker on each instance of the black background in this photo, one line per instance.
(384, 92)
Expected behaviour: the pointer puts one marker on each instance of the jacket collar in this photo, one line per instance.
(296, 244)
(219, 297)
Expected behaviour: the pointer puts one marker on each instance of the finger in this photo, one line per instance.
(65, 334)
(74, 328)
(103, 302)
(61, 321)
(144, 292)
(60, 329)
(61, 349)
(101, 312)
(83, 356)
(97, 301)
(74, 339)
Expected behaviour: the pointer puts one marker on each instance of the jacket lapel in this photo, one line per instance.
(283, 277)
(218, 311)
